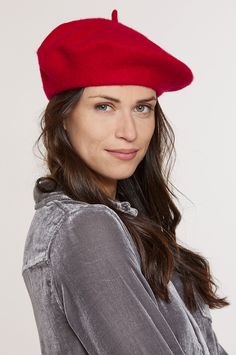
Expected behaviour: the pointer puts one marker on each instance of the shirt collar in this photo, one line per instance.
(125, 207)
(41, 198)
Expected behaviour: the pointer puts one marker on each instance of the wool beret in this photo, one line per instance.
(99, 51)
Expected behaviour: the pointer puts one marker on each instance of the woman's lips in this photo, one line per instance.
(123, 156)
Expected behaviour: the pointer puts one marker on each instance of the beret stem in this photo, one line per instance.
(114, 15)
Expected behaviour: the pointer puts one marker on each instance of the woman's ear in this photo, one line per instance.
(64, 125)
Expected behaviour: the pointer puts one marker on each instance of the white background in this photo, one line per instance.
(202, 34)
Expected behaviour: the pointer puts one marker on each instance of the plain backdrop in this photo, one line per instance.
(202, 34)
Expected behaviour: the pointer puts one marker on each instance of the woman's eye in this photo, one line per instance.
(100, 107)
(147, 106)
(103, 107)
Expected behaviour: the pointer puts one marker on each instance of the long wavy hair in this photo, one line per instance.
(149, 190)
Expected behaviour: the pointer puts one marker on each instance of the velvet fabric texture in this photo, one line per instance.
(89, 296)
(99, 51)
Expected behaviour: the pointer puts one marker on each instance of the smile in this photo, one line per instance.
(123, 156)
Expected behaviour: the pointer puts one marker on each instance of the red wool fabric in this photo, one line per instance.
(98, 51)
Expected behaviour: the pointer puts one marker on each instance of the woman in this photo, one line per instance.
(102, 266)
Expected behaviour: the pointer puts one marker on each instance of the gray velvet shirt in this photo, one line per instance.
(82, 272)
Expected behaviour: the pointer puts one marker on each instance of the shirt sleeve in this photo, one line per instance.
(106, 299)
(203, 317)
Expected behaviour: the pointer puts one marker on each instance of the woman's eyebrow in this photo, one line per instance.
(118, 101)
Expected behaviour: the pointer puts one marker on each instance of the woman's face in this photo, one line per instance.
(112, 118)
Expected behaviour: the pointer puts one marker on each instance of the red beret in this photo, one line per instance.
(98, 51)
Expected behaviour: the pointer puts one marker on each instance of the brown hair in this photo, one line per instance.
(148, 189)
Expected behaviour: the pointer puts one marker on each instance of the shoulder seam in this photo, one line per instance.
(44, 257)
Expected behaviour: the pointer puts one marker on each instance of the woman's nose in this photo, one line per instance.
(126, 126)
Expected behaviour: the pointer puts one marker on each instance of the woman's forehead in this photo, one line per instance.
(120, 90)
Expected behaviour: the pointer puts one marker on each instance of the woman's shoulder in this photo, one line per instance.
(94, 232)
(60, 221)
